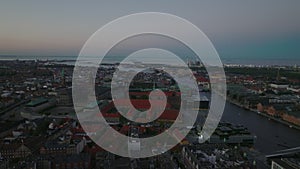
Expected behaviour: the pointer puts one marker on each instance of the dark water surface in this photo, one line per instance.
(271, 135)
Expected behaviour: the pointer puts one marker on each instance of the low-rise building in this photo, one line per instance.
(4, 163)
(71, 161)
(279, 85)
(58, 147)
(14, 150)
(285, 159)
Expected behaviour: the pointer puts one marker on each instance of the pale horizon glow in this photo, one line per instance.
(238, 29)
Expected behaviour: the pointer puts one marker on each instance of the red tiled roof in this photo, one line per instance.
(140, 103)
(76, 137)
(124, 129)
(93, 150)
(106, 108)
(167, 93)
(169, 115)
(201, 79)
(77, 130)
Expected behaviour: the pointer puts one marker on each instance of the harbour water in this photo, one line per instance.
(271, 135)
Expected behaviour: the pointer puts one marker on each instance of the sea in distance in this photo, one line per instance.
(256, 61)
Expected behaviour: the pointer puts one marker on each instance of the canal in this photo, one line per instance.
(271, 135)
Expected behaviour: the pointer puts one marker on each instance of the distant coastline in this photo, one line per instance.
(116, 59)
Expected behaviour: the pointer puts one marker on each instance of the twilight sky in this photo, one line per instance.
(238, 29)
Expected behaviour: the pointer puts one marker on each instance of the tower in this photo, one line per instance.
(63, 78)
(278, 75)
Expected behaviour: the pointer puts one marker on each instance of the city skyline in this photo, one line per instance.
(149, 84)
